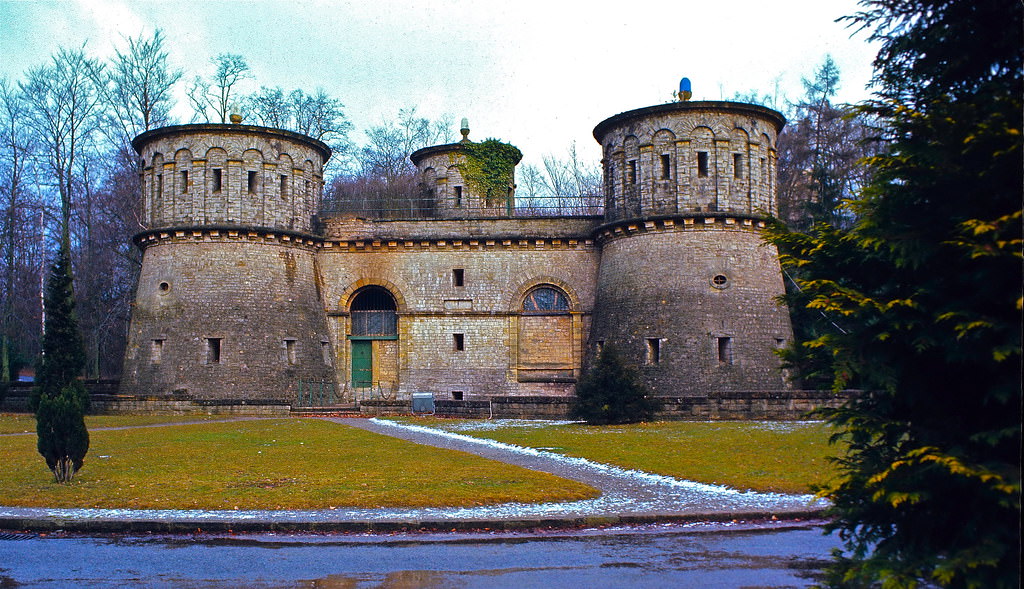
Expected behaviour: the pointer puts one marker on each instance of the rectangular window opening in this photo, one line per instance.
(284, 186)
(599, 347)
(213, 350)
(702, 164)
(216, 179)
(737, 165)
(458, 342)
(252, 180)
(653, 350)
(666, 166)
(631, 171)
(725, 350)
(307, 188)
(290, 352)
(325, 351)
(458, 196)
(159, 183)
(457, 395)
(459, 277)
(157, 354)
(184, 181)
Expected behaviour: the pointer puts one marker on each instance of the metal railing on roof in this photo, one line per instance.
(427, 208)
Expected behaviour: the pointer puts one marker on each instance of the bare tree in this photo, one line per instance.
(141, 85)
(64, 101)
(568, 184)
(212, 98)
(16, 146)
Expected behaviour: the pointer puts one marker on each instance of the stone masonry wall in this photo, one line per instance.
(253, 292)
(485, 311)
(688, 335)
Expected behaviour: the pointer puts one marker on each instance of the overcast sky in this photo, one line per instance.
(539, 74)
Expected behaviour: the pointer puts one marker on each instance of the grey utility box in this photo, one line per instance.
(423, 402)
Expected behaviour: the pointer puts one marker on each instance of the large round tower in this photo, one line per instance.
(227, 305)
(686, 288)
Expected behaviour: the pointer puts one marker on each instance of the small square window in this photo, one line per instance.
(702, 164)
(458, 342)
(459, 277)
(653, 351)
(457, 395)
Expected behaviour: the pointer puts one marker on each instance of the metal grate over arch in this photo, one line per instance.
(374, 312)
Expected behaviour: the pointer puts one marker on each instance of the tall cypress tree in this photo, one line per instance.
(60, 398)
(924, 296)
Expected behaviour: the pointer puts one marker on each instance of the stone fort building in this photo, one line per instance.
(247, 288)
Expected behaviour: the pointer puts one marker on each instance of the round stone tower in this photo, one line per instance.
(227, 305)
(686, 288)
(447, 192)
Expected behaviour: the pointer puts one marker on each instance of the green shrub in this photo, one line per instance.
(611, 392)
(60, 426)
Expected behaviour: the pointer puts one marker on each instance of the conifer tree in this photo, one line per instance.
(922, 306)
(610, 393)
(60, 398)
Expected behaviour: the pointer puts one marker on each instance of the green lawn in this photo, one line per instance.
(784, 457)
(22, 423)
(265, 464)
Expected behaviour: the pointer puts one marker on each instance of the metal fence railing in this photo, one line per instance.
(429, 208)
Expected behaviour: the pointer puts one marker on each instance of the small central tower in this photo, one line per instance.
(227, 305)
(686, 288)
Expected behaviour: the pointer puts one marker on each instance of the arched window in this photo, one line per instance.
(545, 300)
(374, 313)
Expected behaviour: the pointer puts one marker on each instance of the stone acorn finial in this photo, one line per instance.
(464, 130)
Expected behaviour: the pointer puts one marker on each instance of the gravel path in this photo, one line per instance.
(627, 496)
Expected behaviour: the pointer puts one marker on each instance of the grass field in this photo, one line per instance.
(15, 423)
(264, 464)
(784, 457)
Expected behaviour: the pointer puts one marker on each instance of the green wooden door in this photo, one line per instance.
(362, 363)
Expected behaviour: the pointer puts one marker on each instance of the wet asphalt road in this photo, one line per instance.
(667, 555)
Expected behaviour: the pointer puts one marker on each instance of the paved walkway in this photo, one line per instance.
(627, 497)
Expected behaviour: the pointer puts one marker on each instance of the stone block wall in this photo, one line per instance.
(250, 295)
(700, 315)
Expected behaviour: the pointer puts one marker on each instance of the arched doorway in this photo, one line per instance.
(373, 337)
(546, 336)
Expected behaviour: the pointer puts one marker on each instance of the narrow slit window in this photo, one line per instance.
(702, 164)
(458, 342)
(632, 171)
(599, 348)
(216, 179)
(666, 166)
(307, 188)
(184, 181)
(325, 352)
(459, 277)
(284, 187)
(252, 181)
(458, 196)
(653, 350)
(213, 350)
(737, 165)
(290, 353)
(157, 353)
(725, 350)
(159, 183)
